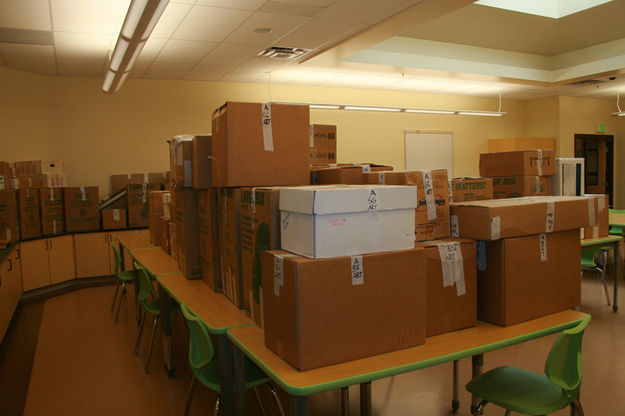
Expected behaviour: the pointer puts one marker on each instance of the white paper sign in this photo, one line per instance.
(267, 127)
(358, 274)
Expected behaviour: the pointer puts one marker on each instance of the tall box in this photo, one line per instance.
(260, 231)
(82, 212)
(28, 168)
(52, 211)
(518, 186)
(602, 227)
(155, 228)
(201, 164)
(181, 161)
(9, 230)
(471, 189)
(187, 232)
(569, 176)
(510, 144)
(138, 205)
(520, 163)
(528, 277)
(209, 237)
(322, 144)
(114, 219)
(165, 235)
(260, 144)
(345, 220)
(323, 312)
(230, 244)
(5, 176)
(28, 213)
(451, 284)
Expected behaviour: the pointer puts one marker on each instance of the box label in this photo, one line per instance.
(455, 232)
(429, 194)
(550, 217)
(543, 247)
(358, 274)
(452, 265)
(267, 127)
(381, 178)
(495, 228)
(539, 162)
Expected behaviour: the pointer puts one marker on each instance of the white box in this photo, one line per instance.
(569, 179)
(347, 220)
(53, 167)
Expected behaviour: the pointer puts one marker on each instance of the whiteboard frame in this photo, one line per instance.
(451, 133)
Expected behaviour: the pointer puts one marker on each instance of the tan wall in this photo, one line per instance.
(542, 118)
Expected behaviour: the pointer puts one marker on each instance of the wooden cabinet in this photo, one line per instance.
(91, 253)
(10, 288)
(47, 261)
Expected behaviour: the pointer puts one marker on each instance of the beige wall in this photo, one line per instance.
(542, 118)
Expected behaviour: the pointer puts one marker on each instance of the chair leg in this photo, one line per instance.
(119, 305)
(507, 412)
(115, 295)
(479, 409)
(576, 408)
(604, 258)
(276, 398)
(147, 363)
(217, 405)
(140, 333)
(187, 406)
(260, 404)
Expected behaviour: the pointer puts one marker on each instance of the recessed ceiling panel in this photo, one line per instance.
(25, 14)
(75, 45)
(210, 23)
(231, 54)
(151, 49)
(89, 16)
(170, 19)
(165, 70)
(279, 24)
(80, 67)
(184, 51)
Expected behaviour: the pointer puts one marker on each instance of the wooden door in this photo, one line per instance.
(91, 254)
(61, 254)
(35, 265)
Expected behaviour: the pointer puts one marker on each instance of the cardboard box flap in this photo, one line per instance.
(527, 200)
(183, 138)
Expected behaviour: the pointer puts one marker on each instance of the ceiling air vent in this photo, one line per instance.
(587, 82)
(282, 53)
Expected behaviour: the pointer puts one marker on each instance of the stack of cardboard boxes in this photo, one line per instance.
(156, 206)
(82, 212)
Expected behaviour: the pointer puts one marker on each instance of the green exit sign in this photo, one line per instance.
(602, 127)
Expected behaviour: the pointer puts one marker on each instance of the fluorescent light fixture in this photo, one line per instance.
(155, 17)
(108, 80)
(368, 108)
(135, 11)
(324, 107)
(451, 112)
(619, 114)
(429, 111)
(481, 113)
(121, 81)
(118, 54)
(135, 54)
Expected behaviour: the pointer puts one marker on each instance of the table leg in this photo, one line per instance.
(164, 306)
(299, 405)
(365, 399)
(225, 374)
(477, 362)
(618, 271)
(345, 401)
(122, 254)
(239, 380)
(455, 402)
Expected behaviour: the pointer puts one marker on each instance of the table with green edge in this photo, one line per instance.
(471, 342)
(614, 242)
(617, 221)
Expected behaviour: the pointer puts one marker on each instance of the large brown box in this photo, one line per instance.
(52, 211)
(34, 181)
(509, 144)
(322, 144)
(432, 213)
(120, 181)
(602, 228)
(181, 162)
(138, 204)
(326, 311)
(519, 163)
(260, 231)
(114, 219)
(347, 174)
(9, 231)
(209, 237)
(471, 189)
(165, 234)
(155, 228)
(29, 214)
(187, 232)
(157, 200)
(5, 176)
(201, 165)
(260, 144)
(451, 284)
(28, 168)
(518, 186)
(529, 277)
(82, 212)
(515, 217)
(230, 244)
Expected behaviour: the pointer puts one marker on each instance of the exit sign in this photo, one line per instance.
(602, 127)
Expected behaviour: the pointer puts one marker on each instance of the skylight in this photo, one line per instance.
(553, 9)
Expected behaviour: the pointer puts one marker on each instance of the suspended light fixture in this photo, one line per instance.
(619, 113)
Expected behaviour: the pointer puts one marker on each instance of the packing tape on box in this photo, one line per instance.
(312, 136)
(267, 127)
(452, 265)
(595, 231)
(381, 178)
(537, 186)
(129, 176)
(539, 162)
(253, 208)
(146, 177)
(550, 217)
(455, 231)
(144, 192)
(481, 255)
(450, 191)
(30, 182)
(429, 194)
(365, 168)
(495, 228)
(358, 272)
(278, 272)
(53, 226)
(83, 194)
(116, 216)
(601, 203)
(592, 217)
(2, 183)
(542, 240)
(51, 195)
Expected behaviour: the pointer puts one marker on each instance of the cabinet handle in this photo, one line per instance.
(50, 244)
(17, 253)
(10, 265)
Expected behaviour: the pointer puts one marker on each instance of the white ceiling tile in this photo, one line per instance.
(37, 64)
(231, 54)
(287, 8)
(264, 63)
(75, 45)
(245, 75)
(185, 51)
(182, 1)
(319, 31)
(210, 23)
(89, 16)
(16, 49)
(151, 49)
(208, 72)
(25, 14)
(139, 68)
(166, 70)
(234, 4)
(170, 19)
(279, 24)
(80, 67)
(318, 3)
(358, 10)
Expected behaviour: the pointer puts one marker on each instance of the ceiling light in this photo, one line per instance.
(369, 108)
(429, 111)
(325, 107)
(619, 113)
(481, 113)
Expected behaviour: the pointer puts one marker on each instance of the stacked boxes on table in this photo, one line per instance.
(81, 208)
(29, 214)
(52, 211)
(28, 174)
(119, 182)
(322, 144)
(156, 203)
(138, 208)
(9, 229)
(602, 226)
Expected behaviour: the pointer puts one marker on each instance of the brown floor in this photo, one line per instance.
(83, 364)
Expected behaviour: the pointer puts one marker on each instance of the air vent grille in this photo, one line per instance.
(587, 82)
(280, 52)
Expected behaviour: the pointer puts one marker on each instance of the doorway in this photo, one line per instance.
(598, 153)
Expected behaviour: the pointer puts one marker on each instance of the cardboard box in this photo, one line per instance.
(230, 244)
(201, 164)
(138, 205)
(157, 200)
(155, 228)
(29, 214)
(510, 144)
(602, 228)
(82, 212)
(9, 231)
(518, 186)
(528, 277)
(260, 231)
(209, 238)
(187, 232)
(52, 211)
(28, 168)
(471, 189)
(346, 175)
(173, 248)
(346, 220)
(451, 284)
(33, 182)
(519, 163)
(53, 167)
(114, 219)
(515, 217)
(5, 176)
(119, 182)
(181, 161)
(56, 181)
(165, 234)
(323, 312)
(570, 178)
(260, 144)
(432, 213)
(322, 144)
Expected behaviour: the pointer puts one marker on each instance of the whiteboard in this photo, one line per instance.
(429, 150)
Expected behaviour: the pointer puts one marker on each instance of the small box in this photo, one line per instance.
(28, 213)
(230, 244)
(165, 234)
(518, 186)
(53, 167)
(569, 177)
(114, 219)
(181, 161)
(9, 230)
(201, 164)
(138, 205)
(471, 189)
(187, 232)
(322, 144)
(345, 220)
(520, 163)
(120, 181)
(528, 277)
(510, 144)
(82, 212)
(155, 228)
(323, 312)
(346, 175)
(209, 237)
(602, 228)
(28, 168)
(52, 211)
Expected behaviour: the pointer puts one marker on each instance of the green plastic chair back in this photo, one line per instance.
(201, 350)
(588, 257)
(118, 258)
(145, 283)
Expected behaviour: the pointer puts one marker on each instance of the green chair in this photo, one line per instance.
(123, 277)
(205, 366)
(149, 302)
(617, 229)
(530, 393)
(589, 262)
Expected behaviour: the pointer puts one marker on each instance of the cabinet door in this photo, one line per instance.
(61, 259)
(91, 254)
(35, 266)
